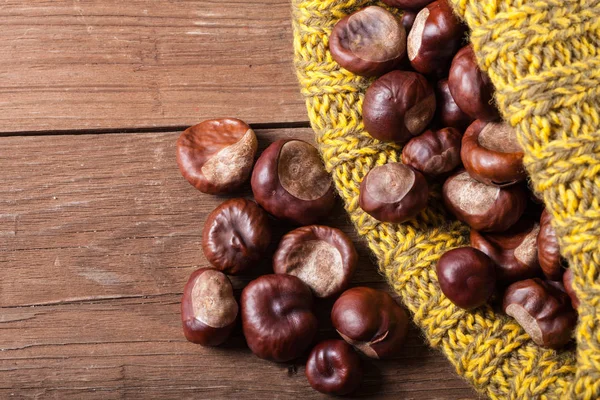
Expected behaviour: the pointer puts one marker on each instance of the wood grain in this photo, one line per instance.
(98, 234)
(73, 64)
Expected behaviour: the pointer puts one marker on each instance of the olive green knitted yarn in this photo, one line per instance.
(542, 57)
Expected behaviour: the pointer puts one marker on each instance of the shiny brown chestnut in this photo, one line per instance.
(322, 257)
(514, 251)
(434, 153)
(208, 308)
(236, 235)
(333, 367)
(393, 193)
(549, 256)
(371, 321)
(471, 88)
(482, 207)
(435, 37)
(467, 277)
(408, 4)
(398, 106)
(491, 154)
(543, 311)
(448, 112)
(567, 280)
(216, 156)
(277, 317)
(290, 182)
(368, 42)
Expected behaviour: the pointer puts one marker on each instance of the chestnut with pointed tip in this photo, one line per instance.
(482, 207)
(290, 182)
(514, 251)
(368, 42)
(333, 367)
(322, 257)
(371, 321)
(567, 280)
(491, 154)
(216, 156)
(448, 112)
(467, 277)
(471, 88)
(551, 261)
(236, 235)
(393, 193)
(208, 308)
(277, 317)
(435, 37)
(398, 106)
(543, 311)
(434, 153)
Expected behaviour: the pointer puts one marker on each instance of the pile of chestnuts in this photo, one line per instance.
(430, 96)
(311, 262)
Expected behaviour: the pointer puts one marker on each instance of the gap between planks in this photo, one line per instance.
(156, 129)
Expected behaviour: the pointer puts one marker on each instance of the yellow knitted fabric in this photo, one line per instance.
(543, 58)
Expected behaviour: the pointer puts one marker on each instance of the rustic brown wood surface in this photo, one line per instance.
(98, 230)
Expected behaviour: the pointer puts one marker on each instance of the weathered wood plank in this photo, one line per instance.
(117, 64)
(98, 234)
(134, 348)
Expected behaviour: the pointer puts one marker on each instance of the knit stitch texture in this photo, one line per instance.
(543, 58)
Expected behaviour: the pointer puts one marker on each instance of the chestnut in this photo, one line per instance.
(277, 317)
(410, 4)
(482, 207)
(448, 112)
(368, 42)
(290, 182)
(548, 249)
(333, 367)
(543, 311)
(393, 193)
(216, 156)
(514, 251)
(236, 235)
(398, 106)
(491, 154)
(567, 280)
(208, 308)
(434, 153)
(471, 88)
(322, 257)
(435, 37)
(371, 321)
(467, 277)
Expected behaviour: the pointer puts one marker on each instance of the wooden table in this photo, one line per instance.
(98, 230)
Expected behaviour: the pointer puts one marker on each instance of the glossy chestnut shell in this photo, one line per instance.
(467, 277)
(549, 256)
(491, 154)
(236, 235)
(434, 153)
(216, 156)
(398, 106)
(371, 321)
(514, 251)
(543, 310)
(322, 257)
(290, 182)
(482, 207)
(368, 42)
(208, 307)
(277, 317)
(333, 367)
